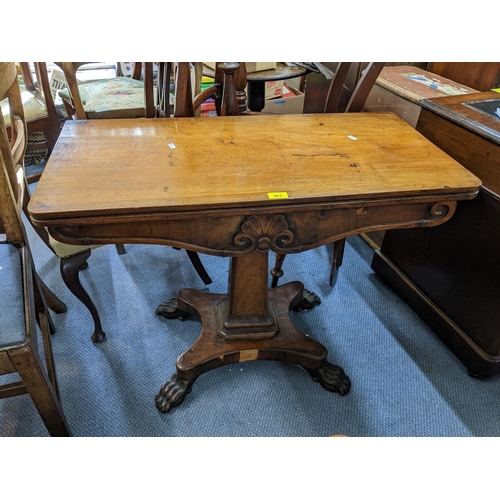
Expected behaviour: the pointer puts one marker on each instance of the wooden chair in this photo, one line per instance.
(40, 112)
(23, 303)
(120, 97)
(340, 99)
(227, 90)
(72, 258)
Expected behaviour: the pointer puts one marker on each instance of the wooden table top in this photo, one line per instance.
(139, 166)
(412, 83)
(453, 108)
(281, 72)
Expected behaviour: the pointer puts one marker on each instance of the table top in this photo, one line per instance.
(281, 72)
(415, 84)
(455, 109)
(142, 166)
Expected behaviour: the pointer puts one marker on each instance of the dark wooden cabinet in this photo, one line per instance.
(450, 275)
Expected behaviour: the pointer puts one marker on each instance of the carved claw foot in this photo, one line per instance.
(172, 393)
(332, 378)
(309, 300)
(170, 310)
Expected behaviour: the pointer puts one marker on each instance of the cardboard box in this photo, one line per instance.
(252, 67)
(286, 105)
(273, 89)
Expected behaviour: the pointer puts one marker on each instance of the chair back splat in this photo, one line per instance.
(23, 304)
(358, 96)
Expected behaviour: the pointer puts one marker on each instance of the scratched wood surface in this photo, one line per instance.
(136, 166)
(395, 79)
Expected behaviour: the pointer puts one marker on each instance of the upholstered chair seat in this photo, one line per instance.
(65, 250)
(12, 323)
(33, 108)
(123, 95)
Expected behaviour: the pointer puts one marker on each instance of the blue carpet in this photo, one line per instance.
(405, 382)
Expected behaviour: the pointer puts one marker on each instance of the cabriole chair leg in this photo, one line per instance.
(70, 268)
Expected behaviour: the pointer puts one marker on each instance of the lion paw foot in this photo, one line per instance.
(170, 310)
(332, 378)
(309, 300)
(172, 393)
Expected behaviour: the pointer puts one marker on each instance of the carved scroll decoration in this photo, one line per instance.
(263, 233)
(441, 212)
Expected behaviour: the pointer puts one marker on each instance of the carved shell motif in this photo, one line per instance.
(264, 233)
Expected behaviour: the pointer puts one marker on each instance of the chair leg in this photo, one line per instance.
(338, 255)
(37, 383)
(120, 249)
(202, 273)
(276, 271)
(70, 268)
(54, 303)
(41, 303)
(309, 299)
(38, 305)
(47, 330)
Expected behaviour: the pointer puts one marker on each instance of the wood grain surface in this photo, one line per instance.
(137, 166)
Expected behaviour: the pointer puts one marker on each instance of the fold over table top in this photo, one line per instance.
(141, 166)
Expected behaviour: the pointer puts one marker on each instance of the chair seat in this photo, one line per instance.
(12, 321)
(115, 99)
(33, 109)
(64, 250)
(113, 94)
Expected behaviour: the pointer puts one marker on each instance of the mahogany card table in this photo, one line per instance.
(239, 187)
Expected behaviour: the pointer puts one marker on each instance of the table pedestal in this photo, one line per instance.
(251, 322)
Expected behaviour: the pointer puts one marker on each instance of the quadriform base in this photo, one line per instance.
(281, 342)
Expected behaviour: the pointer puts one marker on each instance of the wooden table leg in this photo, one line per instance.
(251, 322)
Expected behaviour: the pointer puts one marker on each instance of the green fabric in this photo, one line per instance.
(63, 250)
(32, 108)
(112, 100)
(118, 84)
